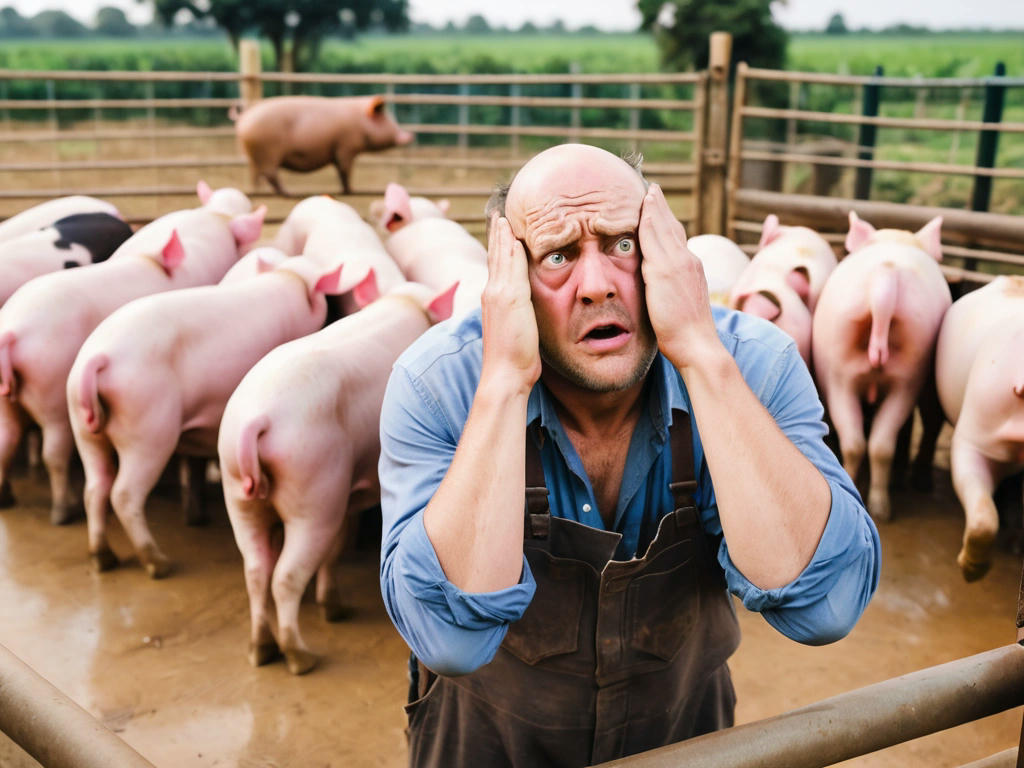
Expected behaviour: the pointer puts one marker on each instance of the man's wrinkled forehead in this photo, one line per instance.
(573, 179)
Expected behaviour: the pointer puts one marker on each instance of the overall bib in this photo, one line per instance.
(611, 657)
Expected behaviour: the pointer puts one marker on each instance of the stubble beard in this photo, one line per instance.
(579, 375)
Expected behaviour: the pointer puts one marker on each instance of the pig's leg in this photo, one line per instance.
(137, 475)
(974, 479)
(848, 419)
(931, 425)
(252, 521)
(98, 462)
(192, 475)
(328, 577)
(891, 415)
(58, 445)
(343, 163)
(12, 425)
(306, 543)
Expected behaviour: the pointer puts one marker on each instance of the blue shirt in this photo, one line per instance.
(426, 405)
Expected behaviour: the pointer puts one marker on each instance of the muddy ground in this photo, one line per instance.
(162, 663)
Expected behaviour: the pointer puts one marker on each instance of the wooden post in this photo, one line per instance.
(739, 98)
(577, 94)
(711, 187)
(251, 86)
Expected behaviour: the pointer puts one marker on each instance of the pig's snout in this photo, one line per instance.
(404, 137)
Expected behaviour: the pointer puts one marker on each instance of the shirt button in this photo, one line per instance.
(586, 507)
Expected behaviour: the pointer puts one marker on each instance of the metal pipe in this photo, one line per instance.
(51, 727)
(858, 722)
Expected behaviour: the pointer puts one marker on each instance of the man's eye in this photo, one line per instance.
(556, 259)
(625, 246)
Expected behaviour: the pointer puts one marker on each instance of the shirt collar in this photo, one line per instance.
(668, 394)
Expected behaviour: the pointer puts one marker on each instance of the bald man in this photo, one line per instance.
(574, 479)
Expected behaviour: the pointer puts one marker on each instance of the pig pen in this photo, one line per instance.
(163, 665)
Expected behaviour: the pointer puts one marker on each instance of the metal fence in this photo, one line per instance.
(811, 147)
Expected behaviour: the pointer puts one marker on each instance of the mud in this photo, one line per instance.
(163, 664)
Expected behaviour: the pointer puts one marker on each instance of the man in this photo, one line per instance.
(679, 449)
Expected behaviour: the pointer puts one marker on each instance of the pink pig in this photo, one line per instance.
(980, 378)
(154, 377)
(328, 231)
(770, 296)
(72, 241)
(45, 322)
(723, 262)
(800, 256)
(313, 466)
(45, 214)
(304, 133)
(874, 338)
(436, 251)
(397, 208)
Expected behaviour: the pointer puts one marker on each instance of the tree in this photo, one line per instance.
(836, 25)
(13, 24)
(295, 28)
(682, 28)
(477, 25)
(57, 24)
(112, 22)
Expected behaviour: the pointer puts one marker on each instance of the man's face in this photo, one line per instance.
(576, 209)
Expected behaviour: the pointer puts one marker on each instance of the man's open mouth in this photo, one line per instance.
(605, 332)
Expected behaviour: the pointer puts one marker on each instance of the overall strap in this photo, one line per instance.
(683, 484)
(536, 511)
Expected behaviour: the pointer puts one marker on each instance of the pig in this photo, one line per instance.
(439, 252)
(799, 255)
(980, 379)
(304, 133)
(73, 241)
(769, 296)
(723, 262)
(325, 229)
(397, 208)
(313, 466)
(45, 214)
(873, 341)
(155, 375)
(45, 322)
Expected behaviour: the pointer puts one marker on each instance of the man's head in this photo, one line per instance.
(576, 209)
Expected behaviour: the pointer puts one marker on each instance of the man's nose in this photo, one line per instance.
(594, 272)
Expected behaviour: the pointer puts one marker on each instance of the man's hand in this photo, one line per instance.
(511, 352)
(677, 292)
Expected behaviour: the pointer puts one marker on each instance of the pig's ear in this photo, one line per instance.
(397, 207)
(440, 307)
(375, 106)
(247, 227)
(366, 291)
(172, 254)
(930, 238)
(204, 192)
(328, 282)
(859, 234)
(769, 230)
(444, 205)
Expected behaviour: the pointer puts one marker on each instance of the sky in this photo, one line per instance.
(622, 14)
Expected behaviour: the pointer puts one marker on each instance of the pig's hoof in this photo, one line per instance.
(335, 611)
(300, 662)
(7, 499)
(158, 566)
(62, 515)
(879, 507)
(971, 569)
(263, 653)
(104, 560)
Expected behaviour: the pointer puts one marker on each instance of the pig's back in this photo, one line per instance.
(993, 309)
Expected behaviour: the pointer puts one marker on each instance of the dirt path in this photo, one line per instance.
(163, 663)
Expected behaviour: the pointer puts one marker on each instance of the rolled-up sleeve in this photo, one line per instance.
(451, 631)
(825, 601)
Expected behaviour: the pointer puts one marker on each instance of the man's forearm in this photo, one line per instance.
(475, 520)
(773, 503)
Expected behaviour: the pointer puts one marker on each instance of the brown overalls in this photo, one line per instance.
(610, 658)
